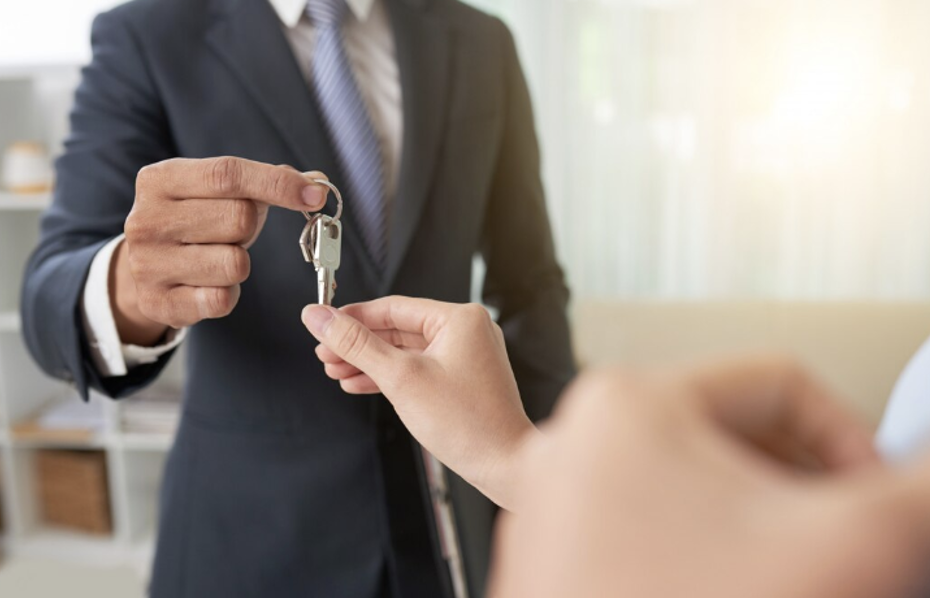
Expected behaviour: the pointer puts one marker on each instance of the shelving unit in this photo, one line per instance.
(34, 103)
(14, 202)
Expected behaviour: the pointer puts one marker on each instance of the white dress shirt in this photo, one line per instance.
(369, 42)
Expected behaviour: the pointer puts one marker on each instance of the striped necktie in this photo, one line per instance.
(348, 124)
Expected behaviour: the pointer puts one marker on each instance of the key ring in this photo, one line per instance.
(338, 195)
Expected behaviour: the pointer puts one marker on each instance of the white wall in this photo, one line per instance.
(43, 32)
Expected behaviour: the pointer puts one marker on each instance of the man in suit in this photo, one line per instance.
(278, 483)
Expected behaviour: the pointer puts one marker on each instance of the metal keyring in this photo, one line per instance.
(338, 195)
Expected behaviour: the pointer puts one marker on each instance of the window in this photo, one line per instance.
(709, 148)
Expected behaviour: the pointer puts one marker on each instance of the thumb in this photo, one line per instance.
(351, 341)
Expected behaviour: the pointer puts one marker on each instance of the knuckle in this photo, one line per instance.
(141, 266)
(150, 177)
(242, 218)
(279, 182)
(223, 174)
(237, 264)
(216, 302)
(138, 269)
(142, 223)
(147, 176)
(151, 303)
(135, 227)
(353, 342)
(475, 314)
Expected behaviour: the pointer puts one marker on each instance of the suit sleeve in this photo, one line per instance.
(117, 127)
(523, 279)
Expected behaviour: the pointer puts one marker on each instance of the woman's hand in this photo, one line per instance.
(735, 480)
(444, 368)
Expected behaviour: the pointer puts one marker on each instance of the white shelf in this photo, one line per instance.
(9, 321)
(154, 443)
(68, 546)
(98, 442)
(24, 202)
(31, 71)
(159, 443)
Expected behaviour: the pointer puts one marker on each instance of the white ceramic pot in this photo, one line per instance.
(26, 168)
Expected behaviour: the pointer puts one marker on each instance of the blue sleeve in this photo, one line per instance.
(524, 280)
(118, 126)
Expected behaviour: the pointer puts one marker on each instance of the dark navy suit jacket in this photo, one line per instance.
(280, 485)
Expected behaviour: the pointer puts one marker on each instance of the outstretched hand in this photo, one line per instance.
(444, 368)
(734, 480)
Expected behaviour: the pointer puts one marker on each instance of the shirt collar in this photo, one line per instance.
(290, 11)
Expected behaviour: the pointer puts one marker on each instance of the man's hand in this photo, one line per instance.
(185, 252)
(444, 368)
(666, 484)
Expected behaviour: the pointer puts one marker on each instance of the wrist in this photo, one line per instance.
(133, 326)
(502, 481)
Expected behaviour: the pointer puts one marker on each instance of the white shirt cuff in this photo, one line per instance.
(110, 355)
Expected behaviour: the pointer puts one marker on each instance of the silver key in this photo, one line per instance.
(321, 245)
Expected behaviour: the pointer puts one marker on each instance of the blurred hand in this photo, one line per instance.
(444, 368)
(743, 479)
(185, 252)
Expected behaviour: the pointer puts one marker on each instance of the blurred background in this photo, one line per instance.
(722, 175)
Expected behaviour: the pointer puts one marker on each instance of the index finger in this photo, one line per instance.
(761, 396)
(228, 177)
(405, 314)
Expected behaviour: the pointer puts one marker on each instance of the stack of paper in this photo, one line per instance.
(153, 411)
(72, 414)
(69, 421)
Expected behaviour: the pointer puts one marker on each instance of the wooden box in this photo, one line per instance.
(73, 490)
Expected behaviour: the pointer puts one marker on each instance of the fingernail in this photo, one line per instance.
(317, 318)
(314, 196)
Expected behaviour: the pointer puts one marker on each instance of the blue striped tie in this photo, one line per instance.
(349, 126)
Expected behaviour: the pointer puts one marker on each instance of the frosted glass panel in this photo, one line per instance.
(765, 148)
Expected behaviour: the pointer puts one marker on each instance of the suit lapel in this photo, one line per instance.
(424, 51)
(248, 37)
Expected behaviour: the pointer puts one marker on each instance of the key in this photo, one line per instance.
(321, 245)
(325, 253)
